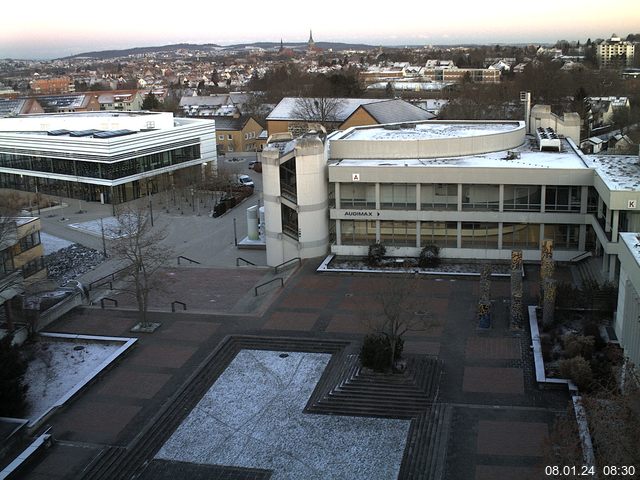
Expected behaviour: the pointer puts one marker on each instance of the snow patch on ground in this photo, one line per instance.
(56, 367)
(252, 417)
(52, 244)
(112, 229)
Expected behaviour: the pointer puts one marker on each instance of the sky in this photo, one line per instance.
(42, 29)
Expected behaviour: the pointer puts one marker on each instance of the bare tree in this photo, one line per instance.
(322, 110)
(402, 310)
(140, 247)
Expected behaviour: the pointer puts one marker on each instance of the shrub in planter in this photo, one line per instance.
(376, 351)
(429, 256)
(377, 251)
(575, 345)
(578, 370)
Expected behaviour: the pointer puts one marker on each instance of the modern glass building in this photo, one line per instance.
(110, 157)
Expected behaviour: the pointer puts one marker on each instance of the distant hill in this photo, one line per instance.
(106, 54)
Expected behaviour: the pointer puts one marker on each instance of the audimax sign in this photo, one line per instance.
(361, 213)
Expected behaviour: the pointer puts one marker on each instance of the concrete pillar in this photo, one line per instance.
(338, 232)
(541, 239)
(459, 233)
(607, 221)
(501, 202)
(418, 197)
(418, 230)
(613, 259)
(252, 223)
(378, 202)
(459, 200)
(582, 238)
(543, 197)
(378, 231)
(336, 192)
(500, 235)
(615, 220)
(584, 197)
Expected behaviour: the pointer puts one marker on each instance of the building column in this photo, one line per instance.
(541, 239)
(615, 220)
(584, 196)
(459, 203)
(378, 203)
(336, 192)
(543, 199)
(600, 206)
(500, 207)
(607, 221)
(338, 232)
(418, 229)
(377, 231)
(418, 197)
(582, 238)
(459, 231)
(500, 230)
(613, 259)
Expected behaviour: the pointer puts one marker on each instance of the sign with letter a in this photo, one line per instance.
(355, 177)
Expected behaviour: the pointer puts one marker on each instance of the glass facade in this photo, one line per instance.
(398, 233)
(522, 198)
(101, 170)
(479, 235)
(439, 196)
(358, 195)
(358, 232)
(563, 199)
(480, 197)
(397, 196)
(442, 234)
(520, 236)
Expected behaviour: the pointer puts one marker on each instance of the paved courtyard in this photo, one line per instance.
(500, 419)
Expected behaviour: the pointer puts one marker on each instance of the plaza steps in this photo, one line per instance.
(425, 453)
(124, 463)
(589, 270)
(351, 390)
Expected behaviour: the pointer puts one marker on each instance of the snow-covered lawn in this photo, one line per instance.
(56, 367)
(111, 227)
(252, 417)
(53, 244)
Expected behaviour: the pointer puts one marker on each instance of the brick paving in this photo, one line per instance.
(511, 438)
(484, 374)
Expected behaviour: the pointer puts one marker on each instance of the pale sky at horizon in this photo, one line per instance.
(44, 30)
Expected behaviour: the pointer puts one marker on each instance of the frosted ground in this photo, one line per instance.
(252, 417)
(56, 367)
(52, 244)
(112, 229)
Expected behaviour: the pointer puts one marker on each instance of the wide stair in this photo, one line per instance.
(348, 389)
(425, 453)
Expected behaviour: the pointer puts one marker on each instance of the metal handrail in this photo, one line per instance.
(579, 257)
(244, 260)
(173, 305)
(188, 259)
(115, 302)
(298, 259)
(111, 277)
(255, 290)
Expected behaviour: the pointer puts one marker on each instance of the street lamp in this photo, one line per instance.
(150, 203)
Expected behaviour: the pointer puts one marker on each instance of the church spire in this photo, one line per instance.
(311, 42)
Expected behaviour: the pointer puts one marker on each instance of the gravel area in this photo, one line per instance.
(71, 262)
(253, 417)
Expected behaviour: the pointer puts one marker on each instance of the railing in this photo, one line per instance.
(255, 290)
(247, 262)
(173, 305)
(107, 279)
(580, 257)
(188, 259)
(283, 264)
(115, 302)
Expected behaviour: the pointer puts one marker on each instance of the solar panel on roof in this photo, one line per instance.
(83, 133)
(113, 133)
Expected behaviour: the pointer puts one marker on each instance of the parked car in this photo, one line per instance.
(246, 181)
(255, 165)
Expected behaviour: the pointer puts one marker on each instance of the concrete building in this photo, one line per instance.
(103, 156)
(615, 53)
(627, 324)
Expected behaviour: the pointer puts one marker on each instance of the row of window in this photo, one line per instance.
(445, 234)
(523, 198)
(107, 171)
(27, 242)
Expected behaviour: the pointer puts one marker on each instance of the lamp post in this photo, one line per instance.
(150, 203)
(104, 242)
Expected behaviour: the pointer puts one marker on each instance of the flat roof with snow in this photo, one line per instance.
(618, 172)
(429, 130)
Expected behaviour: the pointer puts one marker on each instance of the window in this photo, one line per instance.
(398, 196)
(480, 197)
(562, 199)
(565, 237)
(33, 267)
(290, 222)
(229, 137)
(398, 233)
(220, 137)
(520, 236)
(29, 241)
(357, 232)
(439, 196)
(479, 235)
(442, 234)
(522, 198)
(357, 195)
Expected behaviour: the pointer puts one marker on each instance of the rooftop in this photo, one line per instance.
(526, 155)
(429, 130)
(618, 172)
